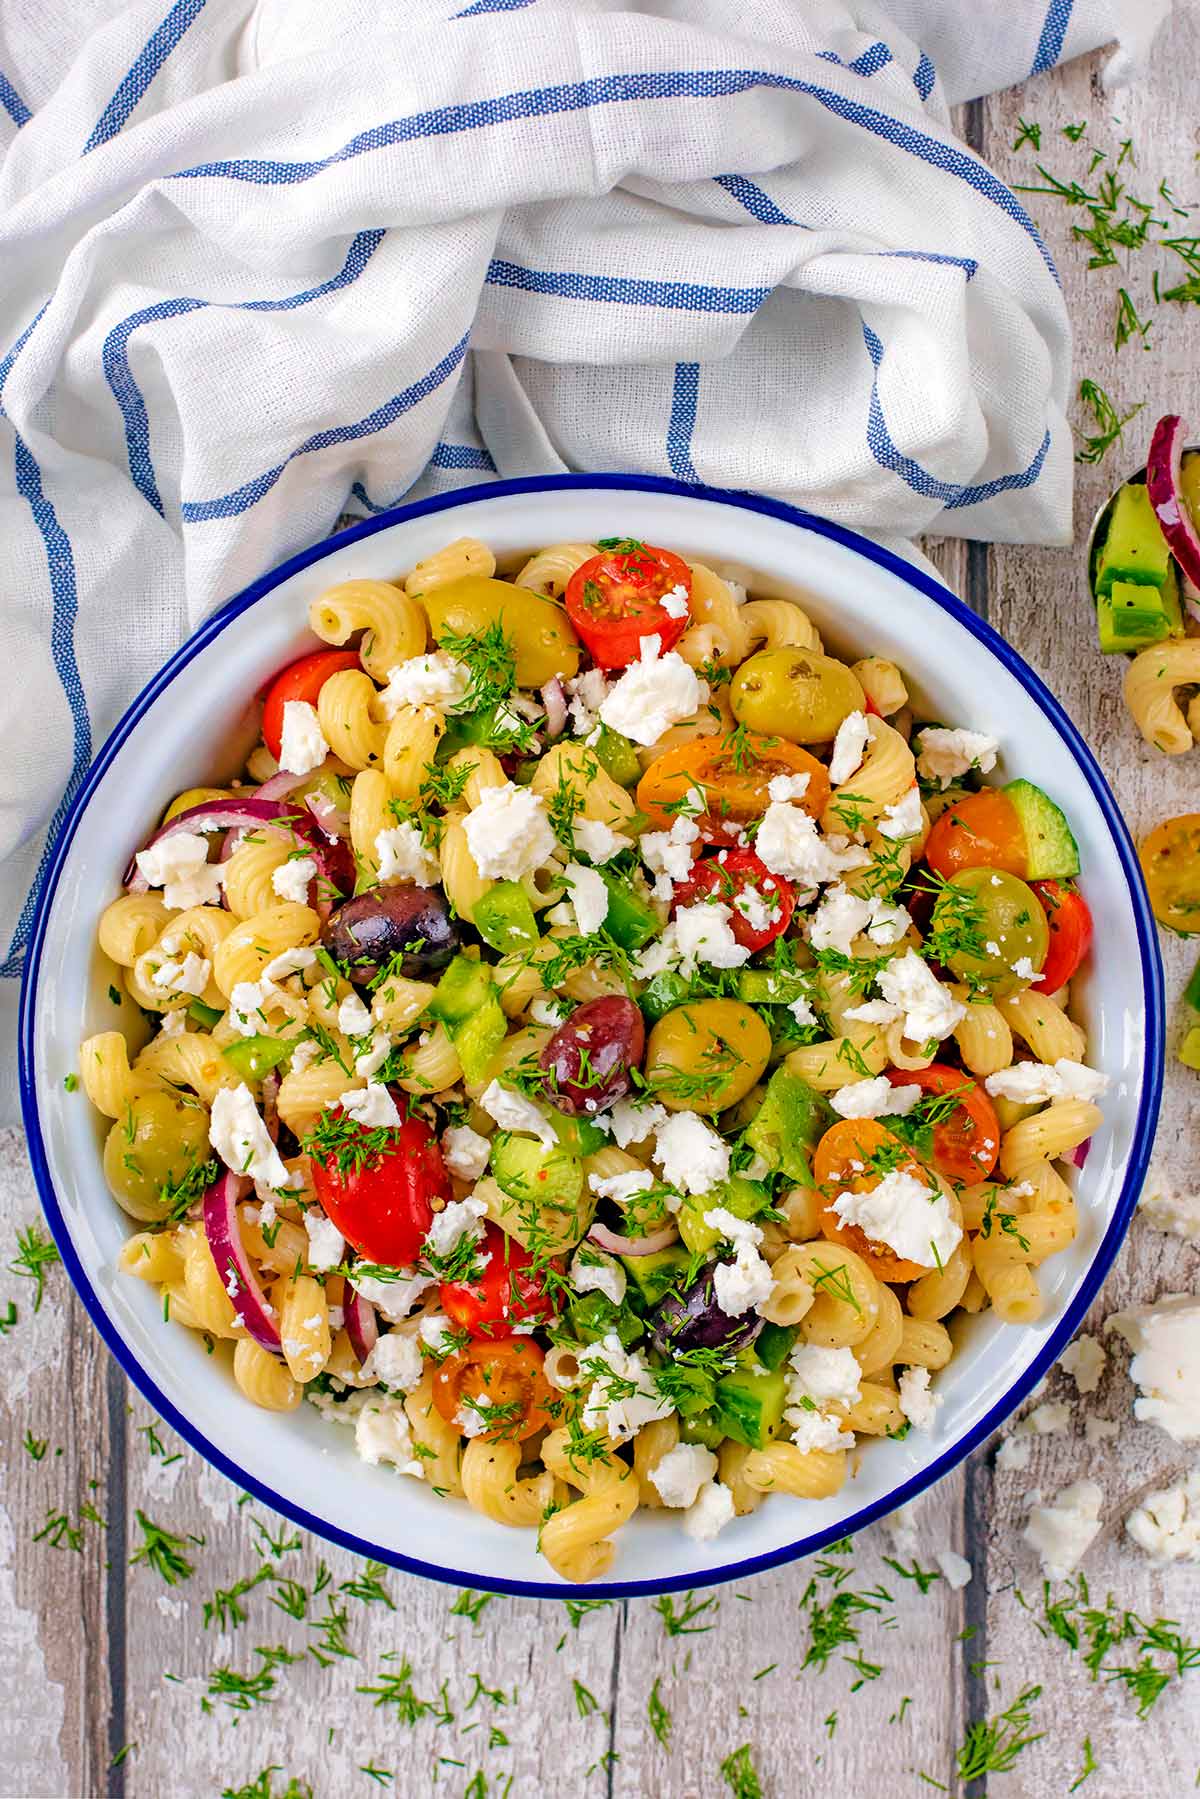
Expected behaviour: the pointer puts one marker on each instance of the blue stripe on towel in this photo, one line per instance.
(60, 564)
(683, 421)
(622, 290)
(149, 61)
(924, 76)
(1054, 31)
(456, 456)
(12, 102)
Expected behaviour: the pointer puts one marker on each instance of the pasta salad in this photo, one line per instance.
(599, 1047)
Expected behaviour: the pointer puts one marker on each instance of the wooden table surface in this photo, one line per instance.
(105, 1669)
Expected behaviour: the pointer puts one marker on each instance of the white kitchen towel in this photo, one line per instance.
(261, 263)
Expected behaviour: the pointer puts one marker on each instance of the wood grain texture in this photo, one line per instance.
(96, 1654)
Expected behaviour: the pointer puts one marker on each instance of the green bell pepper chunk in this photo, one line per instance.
(504, 918)
(205, 1016)
(618, 757)
(253, 1057)
(630, 921)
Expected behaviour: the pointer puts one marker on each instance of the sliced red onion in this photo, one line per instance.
(330, 818)
(362, 1326)
(554, 697)
(1164, 484)
(229, 815)
(1080, 1153)
(224, 1234)
(618, 1245)
(278, 786)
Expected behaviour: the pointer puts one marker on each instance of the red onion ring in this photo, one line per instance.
(617, 1245)
(278, 786)
(1164, 485)
(1080, 1153)
(554, 698)
(362, 1325)
(229, 815)
(223, 1231)
(330, 818)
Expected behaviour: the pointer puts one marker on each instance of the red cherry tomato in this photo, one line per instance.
(981, 830)
(967, 1143)
(505, 1294)
(1070, 921)
(302, 680)
(500, 1383)
(383, 1206)
(730, 875)
(616, 599)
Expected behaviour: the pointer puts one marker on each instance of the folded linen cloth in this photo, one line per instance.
(263, 263)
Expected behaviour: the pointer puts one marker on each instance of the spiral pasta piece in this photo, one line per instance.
(393, 625)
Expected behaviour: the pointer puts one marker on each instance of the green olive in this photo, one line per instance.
(797, 694)
(155, 1145)
(542, 638)
(987, 923)
(706, 1055)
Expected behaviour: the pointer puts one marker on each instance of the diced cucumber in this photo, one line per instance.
(1131, 616)
(253, 1057)
(738, 1195)
(1134, 548)
(765, 987)
(630, 921)
(663, 994)
(477, 1038)
(618, 757)
(656, 1274)
(750, 1405)
(704, 1428)
(465, 1002)
(774, 1343)
(789, 1124)
(527, 1171)
(1051, 850)
(578, 1135)
(464, 985)
(504, 918)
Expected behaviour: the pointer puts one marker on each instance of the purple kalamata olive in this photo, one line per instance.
(588, 1058)
(694, 1320)
(370, 930)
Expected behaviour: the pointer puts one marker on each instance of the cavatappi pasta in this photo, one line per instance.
(593, 1053)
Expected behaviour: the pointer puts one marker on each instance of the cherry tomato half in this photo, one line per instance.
(734, 774)
(503, 1380)
(842, 1164)
(302, 680)
(967, 1143)
(505, 1293)
(383, 1207)
(616, 599)
(1170, 859)
(979, 831)
(739, 876)
(1070, 922)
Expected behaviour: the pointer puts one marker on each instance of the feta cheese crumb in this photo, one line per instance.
(675, 603)
(875, 1099)
(587, 693)
(189, 976)
(848, 746)
(838, 920)
(394, 1298)
(904, 818)
(354, 1019)
(179, 865)
(825, 1376)
(508, 833)
(1167, 1523)
(788, 787)
(682, 1472)
(1165, 1366)
(1063, 1532)
(929, 1009)
(1174, 1212)
(435, 679)
(598, 841)
(382, 1434)
(747, 1281)
(291, 879)
(704, 933)
(1085, 1361)
(465, 1152)
(512, 1111)
(670, 853)
(945, 754)
(1046, 1420)
(591, 1271)
(790, 845)
(1033, 1083)
(402, 856)
(711, 1512)
(589, 897)
(653, 694)
(918, 1404)
(302, 745)
(1014, 1452)
(913, 1220)
(633, 1123)
(241, 1139)
(326, 1245)
(623, 1396)
(692, 1157)
(373, 1107)
(396, 1360)
(956, 1569)
(461, 1218)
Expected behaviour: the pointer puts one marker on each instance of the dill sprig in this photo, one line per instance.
(35, 1254)
(162, 1551)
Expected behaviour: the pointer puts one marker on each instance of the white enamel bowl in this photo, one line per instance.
(190, 725)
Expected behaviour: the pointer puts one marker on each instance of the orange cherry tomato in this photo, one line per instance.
(967, 1143)
(1170, 859)
(616, 599)
(505, 1292)
(501, 1380)
(727, 877)
(1070, 920)
(302, 680)
(979, 831)
(380, 1197)
(840, 1165)
(733, 773)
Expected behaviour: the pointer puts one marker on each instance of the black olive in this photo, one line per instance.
(370, 930)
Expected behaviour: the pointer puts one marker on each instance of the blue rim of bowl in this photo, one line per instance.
(1136, 1163)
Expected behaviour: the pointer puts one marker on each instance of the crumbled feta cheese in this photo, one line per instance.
(918, 1404)
(1165, 1366)
(913, 1220)
(826, 1376)
(435, 679)
(874, 1099)
(549, 1012)
(354, 1019)
(461, 1218)
(888, 923)
(291, 879)
(692, 1157)
(189, 976)
(670, 853)
(370, 1060)
(373, 1107)
(814, 1429)
(465, 1152)
(1167, 1523)
(632, 1123)
(710, 1513)
(801, 1010)
(436, 1332)
(746, 1281)
(956, 1569)
(508, 833)
(852, 737)
(901, 1527)
(759, 906)
(246, 1008)
(1085, 1361)
(682, 1472)
(653, 694)
(945, 754)
(904, 818)
(1100, 1430)
(179, 865)
(396, 1360)
(1024, 970)
(592, 1272)
(288, 961)
(598, 841)
(512, 1111)
(675, 604)
(304, 1054)
(610, 1405)
(1062, 1533)
(587, 693)
(402, 856)
(790, 845)
(395, 1297)
(174, 1024)
(930, 1010)
(1014, 1452)
(1032, 1083)
(326, 1245)
(788, 787)
(241, 1139)
(622, 1187)
(1177, 1213)
(704, 933)
(589, 897)
(382, 1434)
(302, 745)
(838, 920)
